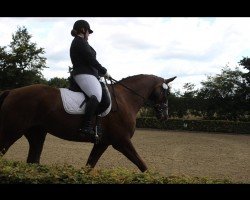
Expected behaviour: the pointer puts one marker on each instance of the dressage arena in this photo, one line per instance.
(213, 155)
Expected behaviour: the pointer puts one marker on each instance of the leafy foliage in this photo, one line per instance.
(21, 63)
(195, 125)
(223, 95)
(18, 172)
(245, 91)
(245, 62)
(58, 82)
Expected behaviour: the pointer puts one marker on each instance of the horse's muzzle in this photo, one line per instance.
(162, 117)
(161, 111)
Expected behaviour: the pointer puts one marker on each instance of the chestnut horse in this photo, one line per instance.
(35, 110)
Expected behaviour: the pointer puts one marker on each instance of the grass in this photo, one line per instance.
(12, 172)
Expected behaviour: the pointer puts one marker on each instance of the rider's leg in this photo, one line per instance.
(90, 112)
(92, 87)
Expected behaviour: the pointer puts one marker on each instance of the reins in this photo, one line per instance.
(112, 80)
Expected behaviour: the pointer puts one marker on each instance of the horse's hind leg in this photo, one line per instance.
(6, 140)
(36, 137)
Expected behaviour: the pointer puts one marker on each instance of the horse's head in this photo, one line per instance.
(159, 97)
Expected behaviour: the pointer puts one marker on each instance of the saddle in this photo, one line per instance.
(105, 101)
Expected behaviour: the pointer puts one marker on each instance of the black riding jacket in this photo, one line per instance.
(83, 58)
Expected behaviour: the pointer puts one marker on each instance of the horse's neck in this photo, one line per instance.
(143, 86)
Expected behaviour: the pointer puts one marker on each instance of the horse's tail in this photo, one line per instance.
(3, 95)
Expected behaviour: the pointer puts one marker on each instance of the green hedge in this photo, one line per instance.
(18, 172)
(195, 125)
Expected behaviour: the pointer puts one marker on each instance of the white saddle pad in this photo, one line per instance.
(72, 101)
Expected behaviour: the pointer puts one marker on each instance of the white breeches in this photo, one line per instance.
(90, 85)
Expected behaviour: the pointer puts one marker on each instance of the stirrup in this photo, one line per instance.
(92, 135)
(98, 130)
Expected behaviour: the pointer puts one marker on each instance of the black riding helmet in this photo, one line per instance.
(82, 24)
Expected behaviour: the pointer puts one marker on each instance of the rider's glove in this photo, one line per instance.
(107, 76)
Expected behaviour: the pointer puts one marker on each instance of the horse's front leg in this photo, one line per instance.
(96, 153)
(126, 148)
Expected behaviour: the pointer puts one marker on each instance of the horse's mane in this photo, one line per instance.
(130, 79)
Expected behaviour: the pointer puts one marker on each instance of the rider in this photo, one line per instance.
(86, 71)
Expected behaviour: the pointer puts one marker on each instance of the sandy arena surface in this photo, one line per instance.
(167, 152)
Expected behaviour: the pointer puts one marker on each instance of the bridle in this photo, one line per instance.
(159, 107)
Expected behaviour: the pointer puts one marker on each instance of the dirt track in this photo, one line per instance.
(168, 152)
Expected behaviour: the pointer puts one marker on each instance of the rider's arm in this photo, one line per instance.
(86, 50)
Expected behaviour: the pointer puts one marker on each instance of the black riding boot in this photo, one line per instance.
(90, 111)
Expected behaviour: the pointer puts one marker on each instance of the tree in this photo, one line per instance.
(21, 65)
(245, 92)
(245, 62)
(189, 99)
(58, 82)
(222, 95)
(176, 105)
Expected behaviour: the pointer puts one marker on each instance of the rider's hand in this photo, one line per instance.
(107, 76)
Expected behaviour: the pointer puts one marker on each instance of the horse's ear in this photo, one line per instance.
(169, 80)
